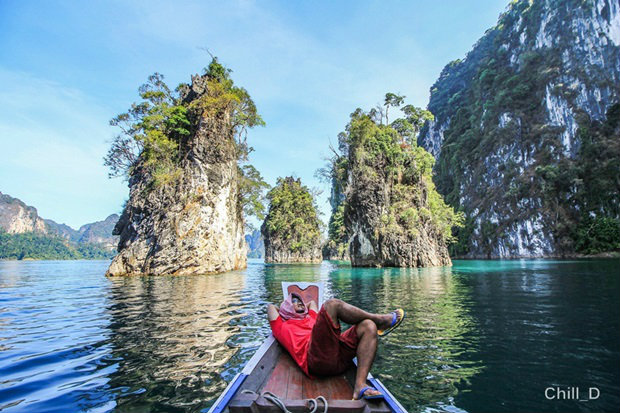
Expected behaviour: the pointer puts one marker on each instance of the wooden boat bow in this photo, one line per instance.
(271, 369)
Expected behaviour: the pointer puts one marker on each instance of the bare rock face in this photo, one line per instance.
(16, 217)
(524, 101)
(373, 241)
(195, 224)
(278, 255)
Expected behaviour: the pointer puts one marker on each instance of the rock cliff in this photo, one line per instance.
(525, 130)
(192, 223)
(391, 212)
(291, 230)
(16, 217)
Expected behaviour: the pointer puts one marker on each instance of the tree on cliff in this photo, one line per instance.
(408, 127)
(391, 211)
(185, 155)
(292, 228)
(392, 99)
(151, 131)
(154, 131)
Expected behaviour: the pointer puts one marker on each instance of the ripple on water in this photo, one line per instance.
(70, 339)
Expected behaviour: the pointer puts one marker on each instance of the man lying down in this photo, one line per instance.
(314, 340)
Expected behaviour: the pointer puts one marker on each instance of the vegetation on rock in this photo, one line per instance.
(390, 201)
(526, 142)
(185, 155)
(154, 132)
(291, 229)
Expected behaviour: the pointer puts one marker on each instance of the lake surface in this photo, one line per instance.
(482, 336)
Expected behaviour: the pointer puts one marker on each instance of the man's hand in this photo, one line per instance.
(312, 306)
(272, 312)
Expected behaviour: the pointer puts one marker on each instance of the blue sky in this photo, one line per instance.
(67, 68)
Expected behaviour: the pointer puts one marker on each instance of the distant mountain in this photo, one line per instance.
(63, 230)
(100, 232)
(17, 217)
(26, 235)
(256, 245)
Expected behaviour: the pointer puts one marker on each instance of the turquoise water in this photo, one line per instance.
(482, 336)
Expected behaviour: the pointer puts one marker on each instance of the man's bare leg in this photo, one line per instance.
(339, 310)
(366, 350)
(367, 325)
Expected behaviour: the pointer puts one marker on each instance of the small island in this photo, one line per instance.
(185, 157)
(291, 229)
(386, 206)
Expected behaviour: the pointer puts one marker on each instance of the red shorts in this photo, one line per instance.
(330, 352)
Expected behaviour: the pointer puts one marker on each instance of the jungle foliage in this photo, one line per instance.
(293, 218)
(389, 151)
(31, 245)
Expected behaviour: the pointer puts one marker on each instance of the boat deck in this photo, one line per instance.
(288, 382)
(277, 373)
(272, 369)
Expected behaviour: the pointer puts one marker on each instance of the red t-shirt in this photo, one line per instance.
(294, 335)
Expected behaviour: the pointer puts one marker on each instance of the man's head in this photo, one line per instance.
(293, 307)
(298, 304)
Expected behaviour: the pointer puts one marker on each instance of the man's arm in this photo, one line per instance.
(312, 306)
(272, 312)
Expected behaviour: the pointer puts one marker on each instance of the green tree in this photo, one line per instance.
(252, 187)
(150, 133)
(225, 102)
(392, 99)
(416, 117)
(155, 131)
(30, 245)
(407, 170)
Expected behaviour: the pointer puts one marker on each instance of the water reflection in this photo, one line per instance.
(423, 360)
(544, 323)
(169, 335)
(481, 336)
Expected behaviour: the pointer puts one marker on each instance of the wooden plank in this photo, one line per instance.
(261, 405)
(340, 388)
(295, 383)
(258, 356)
(278, 382)
(241, 406)
(312, 388)
(300, 406)
(264, 368)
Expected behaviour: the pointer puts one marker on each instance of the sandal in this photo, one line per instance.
(361, 395)
(397, 318)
